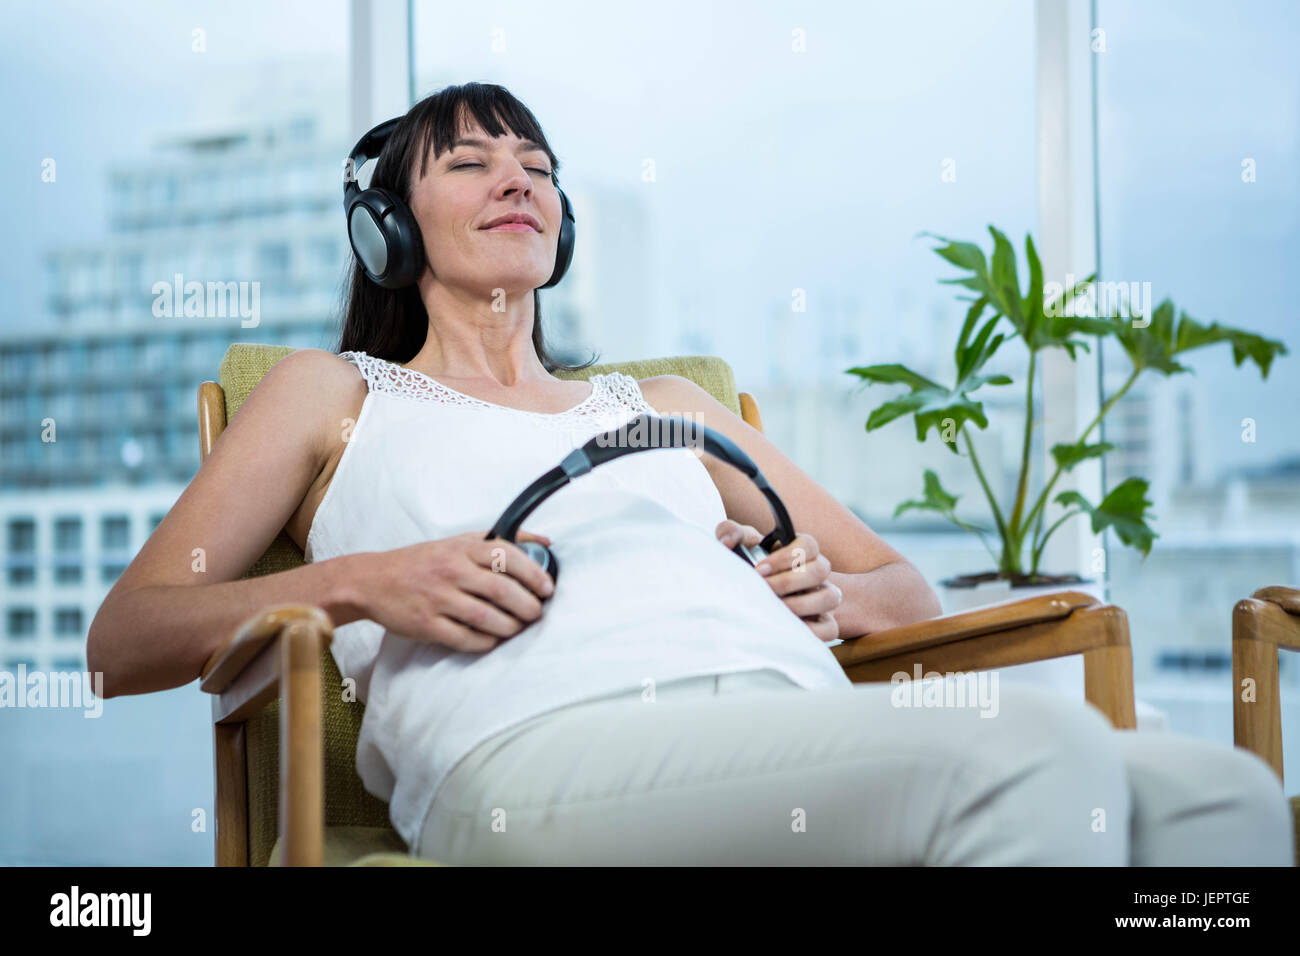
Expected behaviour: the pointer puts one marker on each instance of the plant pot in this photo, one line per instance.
(1063, 675)
(970, 591)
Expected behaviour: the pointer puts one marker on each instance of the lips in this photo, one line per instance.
(513, 218)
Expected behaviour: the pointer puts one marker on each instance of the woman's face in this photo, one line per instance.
(479, 180)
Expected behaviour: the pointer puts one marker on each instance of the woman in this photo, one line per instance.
(648, 708)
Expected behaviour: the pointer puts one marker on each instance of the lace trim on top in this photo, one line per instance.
(610, 392)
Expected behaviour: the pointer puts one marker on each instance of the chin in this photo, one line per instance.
(513, 284)
(516, 276)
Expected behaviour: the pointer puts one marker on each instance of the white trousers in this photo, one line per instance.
(750, 769)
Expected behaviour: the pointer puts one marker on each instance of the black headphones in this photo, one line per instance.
(384, 234)
(610, 445)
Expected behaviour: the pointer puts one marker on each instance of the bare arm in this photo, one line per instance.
(892, 595)
(157, 637)
(181, 599)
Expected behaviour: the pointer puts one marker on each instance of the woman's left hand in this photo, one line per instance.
(799, 577)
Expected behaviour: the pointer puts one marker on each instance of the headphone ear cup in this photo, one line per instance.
(542, 555)
(564, 248)
(385, 238)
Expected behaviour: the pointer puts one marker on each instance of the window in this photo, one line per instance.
(22, 535)
(67, 622)
(115, 547)
(21, 622)
(68, 556)
(1196, 138)
(811, 171)
(67, 535)
(21, 556)
(115, 529)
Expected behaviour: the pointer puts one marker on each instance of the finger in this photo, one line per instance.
(500, 556)
(505, 592)
(802, 551)
(532, 536)
(825, 627)
(820, 600)
(730, 533)
(481, 616)
(458, 637)
(803, 578)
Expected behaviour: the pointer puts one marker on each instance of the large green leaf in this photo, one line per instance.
(892, 374)
(946, 410)
(1156, 345)
(964, 255)
(1245, 345)
(1067, 456)
(1006, 283)
(963, 352)
(999, 289)
(1033, 304)
(1124, 510)
(936, 498)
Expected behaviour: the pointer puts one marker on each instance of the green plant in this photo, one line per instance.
(1153, 345)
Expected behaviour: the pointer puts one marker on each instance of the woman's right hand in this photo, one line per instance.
(465, 591)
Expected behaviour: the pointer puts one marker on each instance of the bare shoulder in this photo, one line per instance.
(675, 394)
(664, 390)
(310, 390)
(317, 368)
(315, 378)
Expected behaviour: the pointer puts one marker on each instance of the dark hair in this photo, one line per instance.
(392, 324)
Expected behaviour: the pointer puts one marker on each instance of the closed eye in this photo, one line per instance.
(544, 172)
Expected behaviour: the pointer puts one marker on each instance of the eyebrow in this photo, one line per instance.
(527, 146)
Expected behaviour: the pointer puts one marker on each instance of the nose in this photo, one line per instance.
(517, 181)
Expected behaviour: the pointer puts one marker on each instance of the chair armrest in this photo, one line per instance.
(276, 653)
(244, 670)
(1005, 616)
(1006, 634)
(1262, 625)
(1288, 599)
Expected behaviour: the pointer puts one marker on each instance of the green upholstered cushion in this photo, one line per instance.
(355, 819)
(708, 371)
(361, 846)
(245, 363)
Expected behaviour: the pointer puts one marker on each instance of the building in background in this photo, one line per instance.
(98, 425)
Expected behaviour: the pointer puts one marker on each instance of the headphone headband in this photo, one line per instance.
(606, 446)
(368, 147)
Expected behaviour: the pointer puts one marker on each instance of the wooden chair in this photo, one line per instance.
(277, 680)
(1262, 625)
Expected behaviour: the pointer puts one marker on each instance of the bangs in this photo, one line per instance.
(450, 112)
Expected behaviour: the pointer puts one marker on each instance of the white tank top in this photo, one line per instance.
(646, 592)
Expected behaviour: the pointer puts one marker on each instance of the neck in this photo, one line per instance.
(470, 341)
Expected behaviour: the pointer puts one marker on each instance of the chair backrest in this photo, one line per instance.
(347, 802)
